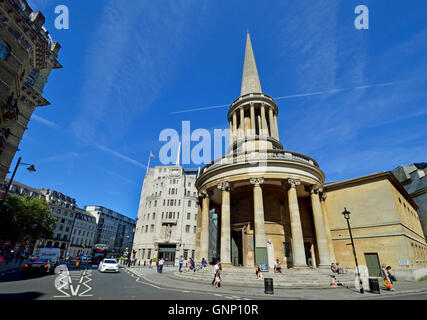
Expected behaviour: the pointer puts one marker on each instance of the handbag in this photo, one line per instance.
(387, 284)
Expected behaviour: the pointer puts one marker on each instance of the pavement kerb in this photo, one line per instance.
(394, 293)
(230, 285)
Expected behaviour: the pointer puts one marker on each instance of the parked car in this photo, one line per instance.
(108, 265)
(39, 266)
(86, 258)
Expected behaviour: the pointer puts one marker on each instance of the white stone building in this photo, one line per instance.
(167, 215)
(84, 232)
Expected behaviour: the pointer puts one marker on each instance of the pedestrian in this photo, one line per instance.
(204, 263)
(134, 261)
(21, 257)
(180, 261)
(218, 278)
(387, 282)
(161, 262)
(390, 275)
(277, 267)
(216, 268)
(151, 261)
(339, 269)
(258, 271)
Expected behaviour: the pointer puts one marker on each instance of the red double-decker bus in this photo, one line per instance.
(100, 251)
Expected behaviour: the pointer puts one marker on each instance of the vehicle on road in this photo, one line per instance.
(86, 258)
(99, 253)
(108, 265)
(51, 253)
(39, 266)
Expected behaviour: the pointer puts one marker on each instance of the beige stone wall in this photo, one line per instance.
(382, 222)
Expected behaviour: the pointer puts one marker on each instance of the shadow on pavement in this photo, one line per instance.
(20, 296)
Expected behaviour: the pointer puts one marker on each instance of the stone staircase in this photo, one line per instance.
(291, 278)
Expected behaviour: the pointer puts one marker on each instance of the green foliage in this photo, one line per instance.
(155, 259)
(25, 218)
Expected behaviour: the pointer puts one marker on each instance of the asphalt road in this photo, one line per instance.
(87, 283)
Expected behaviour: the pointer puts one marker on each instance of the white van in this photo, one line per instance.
(51, 253)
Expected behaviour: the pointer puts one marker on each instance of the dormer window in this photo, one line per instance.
(4, 50)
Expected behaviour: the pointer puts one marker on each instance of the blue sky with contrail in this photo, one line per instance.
(354, 100)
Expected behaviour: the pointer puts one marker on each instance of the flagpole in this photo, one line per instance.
(149, 160)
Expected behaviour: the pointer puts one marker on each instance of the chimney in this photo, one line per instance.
(55, 47)
(38, 19)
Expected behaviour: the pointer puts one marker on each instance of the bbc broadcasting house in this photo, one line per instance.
(167, 215)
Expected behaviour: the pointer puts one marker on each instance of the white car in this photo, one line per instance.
(108, 265)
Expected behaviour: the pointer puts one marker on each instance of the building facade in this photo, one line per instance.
(385, 225)
(167, 215)
(83, 235)
(64, 209)
(27, 57)
(413, 178)
(113, 229)
(274, 204)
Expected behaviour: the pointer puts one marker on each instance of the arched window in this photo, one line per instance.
(4, 50)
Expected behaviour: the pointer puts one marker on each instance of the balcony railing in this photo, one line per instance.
(259, 156)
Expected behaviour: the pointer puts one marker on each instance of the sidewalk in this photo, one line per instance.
(339, 293)
(10, 266)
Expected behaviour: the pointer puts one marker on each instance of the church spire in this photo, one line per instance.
(250, 79)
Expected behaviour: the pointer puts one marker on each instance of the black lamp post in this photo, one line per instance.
(347, 217)
(31, 168)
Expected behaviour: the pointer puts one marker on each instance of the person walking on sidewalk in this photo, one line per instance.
(151, 262)
(161, 262)
(180, 261)
(216, 268)
(21, 257)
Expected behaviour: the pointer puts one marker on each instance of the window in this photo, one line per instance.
(152, 228)
(154, 215)
(286, 249)
(188, 216)
(149, 254)
(4, 50)
(143, 254)
(146, 228)
(194, 229)
(192, 253)
(195, 217)
(187, 228)
(189, 203)
(185, 254)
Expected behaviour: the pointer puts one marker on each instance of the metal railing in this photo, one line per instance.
(259, 155)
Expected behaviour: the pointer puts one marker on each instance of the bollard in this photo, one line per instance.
(374, 286)
(268, 285)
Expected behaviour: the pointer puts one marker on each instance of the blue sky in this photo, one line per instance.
(128, 65)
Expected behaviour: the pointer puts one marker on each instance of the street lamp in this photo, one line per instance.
(30, 168)
(347, 217)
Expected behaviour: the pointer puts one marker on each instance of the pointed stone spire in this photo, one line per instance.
(250, 79)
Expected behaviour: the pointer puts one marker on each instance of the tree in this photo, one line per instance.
(26, 218)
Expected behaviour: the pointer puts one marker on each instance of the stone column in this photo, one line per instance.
(253, 128)
(321, 238)
(271, 119)
(204, 232)
(264, 130)
(231, 133)
(234, 126)
(225, 254)
(276, 127)
(299, 259)
(327, 227)
(242, 123)
(261, 254)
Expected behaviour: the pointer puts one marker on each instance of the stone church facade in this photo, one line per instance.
(274, 204)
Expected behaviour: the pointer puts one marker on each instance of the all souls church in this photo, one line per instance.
(273, 204)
